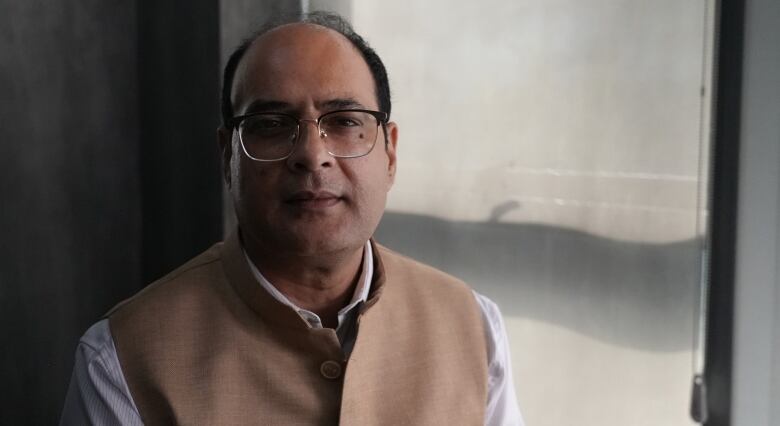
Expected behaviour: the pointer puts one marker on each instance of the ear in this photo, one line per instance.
(390, 148)
(225, 142)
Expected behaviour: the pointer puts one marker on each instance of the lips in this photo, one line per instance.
(313, 200)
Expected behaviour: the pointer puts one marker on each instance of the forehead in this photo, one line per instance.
(302, 65)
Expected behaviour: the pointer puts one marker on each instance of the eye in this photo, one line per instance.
(344, 120)
(260, 123)
(347, 122)
(264, 125)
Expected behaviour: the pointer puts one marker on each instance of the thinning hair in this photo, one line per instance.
(324, 19)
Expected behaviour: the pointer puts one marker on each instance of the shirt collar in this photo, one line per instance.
(360, 295)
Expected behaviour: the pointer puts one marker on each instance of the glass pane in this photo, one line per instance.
(553, 154)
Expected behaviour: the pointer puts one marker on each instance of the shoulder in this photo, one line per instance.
(495, 333)
(96, 345)
(491, 315)
(418, 290)
(400, 268)
(98, 393)
(183, 283)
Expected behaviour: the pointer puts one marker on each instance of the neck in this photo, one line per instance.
(320, 284)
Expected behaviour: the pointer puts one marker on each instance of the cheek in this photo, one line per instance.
(373, 190)
(251, 182)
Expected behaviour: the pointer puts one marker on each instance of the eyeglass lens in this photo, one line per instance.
(273, 136)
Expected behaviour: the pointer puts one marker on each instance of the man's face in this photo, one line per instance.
(310, 203)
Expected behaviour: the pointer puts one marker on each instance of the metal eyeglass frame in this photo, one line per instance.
(380, 116)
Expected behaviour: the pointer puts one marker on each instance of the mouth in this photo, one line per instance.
(313, 200)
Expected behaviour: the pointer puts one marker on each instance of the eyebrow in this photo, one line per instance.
(266, 105)
(341, 103)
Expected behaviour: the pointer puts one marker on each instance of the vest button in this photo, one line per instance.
(330, 369)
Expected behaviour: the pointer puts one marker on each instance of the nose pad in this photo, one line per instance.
(298, 135)
(309, 152)
(320, 132)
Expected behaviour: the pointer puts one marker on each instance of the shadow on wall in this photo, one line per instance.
(632, 294)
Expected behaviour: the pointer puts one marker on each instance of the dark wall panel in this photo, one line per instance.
(110, 174)
(70, 212)
(179, 111)
(720, 310)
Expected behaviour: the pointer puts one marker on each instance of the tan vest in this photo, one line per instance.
(207, 345)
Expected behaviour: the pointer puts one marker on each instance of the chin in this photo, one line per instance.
(328, 246)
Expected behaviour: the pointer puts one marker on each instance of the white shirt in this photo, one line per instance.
(98, 393)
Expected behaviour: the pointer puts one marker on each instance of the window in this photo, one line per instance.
(554, 154)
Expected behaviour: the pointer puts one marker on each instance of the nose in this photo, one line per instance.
(309, 152)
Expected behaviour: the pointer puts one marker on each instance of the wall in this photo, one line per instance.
(178, 54)
(71, 210)
(756, 375)
(554, 155)
(109, 172)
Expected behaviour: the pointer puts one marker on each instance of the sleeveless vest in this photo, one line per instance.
(207, 345)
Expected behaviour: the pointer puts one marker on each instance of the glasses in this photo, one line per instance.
(271, 136)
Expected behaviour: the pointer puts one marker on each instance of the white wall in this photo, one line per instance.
(572, 111)
(550, 155)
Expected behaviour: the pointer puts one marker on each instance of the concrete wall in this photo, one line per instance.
(554, 155)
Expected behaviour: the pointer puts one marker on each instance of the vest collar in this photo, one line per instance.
(378, 280)
(240, 277)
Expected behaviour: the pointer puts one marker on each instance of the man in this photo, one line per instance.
(299, 317)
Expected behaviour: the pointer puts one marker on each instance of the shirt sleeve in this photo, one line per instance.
(98, 393)
(502, 409)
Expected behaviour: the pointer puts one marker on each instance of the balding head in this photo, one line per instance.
(281, 62)
(327, 21)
